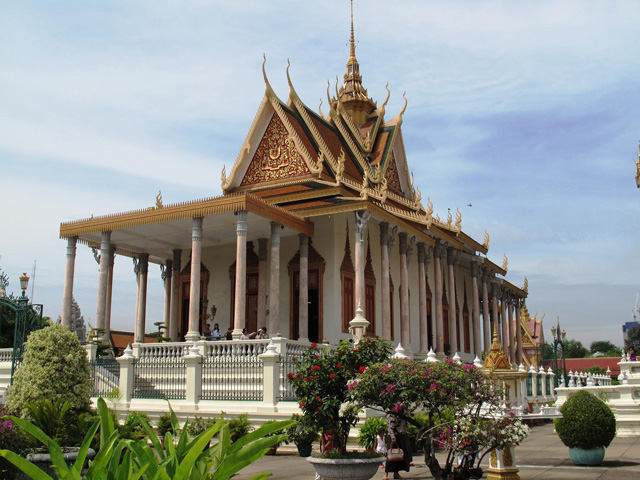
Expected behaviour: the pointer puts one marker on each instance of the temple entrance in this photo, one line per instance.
(313, 306)
(315, 274)
(185, 298)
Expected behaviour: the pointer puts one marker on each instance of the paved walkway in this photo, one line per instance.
(541, 456)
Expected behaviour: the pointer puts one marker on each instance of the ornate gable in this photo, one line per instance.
(276, 157)
(393, 180)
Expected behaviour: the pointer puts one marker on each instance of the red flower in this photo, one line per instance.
(339, 365)
(289, 375)
(362, 369)
(293, 359)
(333, 375)
(302, 404)
(314, 345)
(315, 367)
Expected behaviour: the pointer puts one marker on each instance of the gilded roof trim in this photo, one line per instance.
(198, 208)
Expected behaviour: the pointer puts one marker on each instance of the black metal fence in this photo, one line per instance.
(232, 377)
(105, 374)
(286, 391)
(160, 377)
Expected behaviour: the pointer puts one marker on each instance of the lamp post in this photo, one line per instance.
(19, 333)
(559, 365)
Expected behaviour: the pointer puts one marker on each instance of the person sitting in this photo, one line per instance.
(215, 333)
(228, 335)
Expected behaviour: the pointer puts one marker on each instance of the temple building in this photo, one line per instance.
(318, 215)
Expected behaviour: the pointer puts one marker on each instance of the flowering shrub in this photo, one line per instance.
(11, 436)
(320, 383)
(478, 424)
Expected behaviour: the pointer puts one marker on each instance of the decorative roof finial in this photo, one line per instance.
(352, 41)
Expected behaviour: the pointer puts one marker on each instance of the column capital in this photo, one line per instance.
(392, 237)
(362, 219)
(422, 253)
(440, 249)
(71, 247)
(196, 231)
(241, 223)
(144, 263)
(402, 245)
(384, 233)
(262, 249)
(452, 255)
(476, 269)
(177, 254)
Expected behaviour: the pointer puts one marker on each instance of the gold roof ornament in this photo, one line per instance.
(159, 199)
(485, 244)
(352, 94)
(505, 262)
(526, 285)
(496, 359)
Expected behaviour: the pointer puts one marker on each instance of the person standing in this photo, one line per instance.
(398, 438)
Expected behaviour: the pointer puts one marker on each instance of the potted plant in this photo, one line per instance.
(321, 385)
(587, 427)
(303, 434)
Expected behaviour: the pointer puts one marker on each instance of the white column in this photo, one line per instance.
(108, 301)
(475, 314)
(105, 249)
(67, 295)
(518, 332)
(362, 218)
(438, 254)
(142, 299)
(512, 331)
(239, 316)
(193, 335)
(486, 324)
(453, 304)
(262, 283)
(422, 299)
(175, 295)
(405, 335)
(303, 289)
(505, 321)
(273, 325)
(385, 301)
(167, 272)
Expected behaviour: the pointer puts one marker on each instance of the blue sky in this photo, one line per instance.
(527, 110)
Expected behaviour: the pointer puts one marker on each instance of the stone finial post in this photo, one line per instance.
(193, 362)
(127, 375)
(271, 365)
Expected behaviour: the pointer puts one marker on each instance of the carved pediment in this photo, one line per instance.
(276, 157)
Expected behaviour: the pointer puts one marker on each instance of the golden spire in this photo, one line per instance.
(352, 94)
(352, 49)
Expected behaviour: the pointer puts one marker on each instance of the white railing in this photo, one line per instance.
(161, 350)
(233, 348)
(5, 354)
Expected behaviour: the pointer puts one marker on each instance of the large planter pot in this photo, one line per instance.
(593, 456)
(43, 461)
(346, 468)
(304, 450)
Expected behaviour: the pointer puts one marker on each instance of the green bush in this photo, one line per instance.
(133, 428)
(200, 424)
(587, 422)
(50, 417)
(54, 367)
(164, 425)
(304, 432)
(369, 432)
(239, 427)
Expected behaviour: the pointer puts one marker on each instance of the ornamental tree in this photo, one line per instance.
(480, 425)
(54, 367)
(320, 383)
